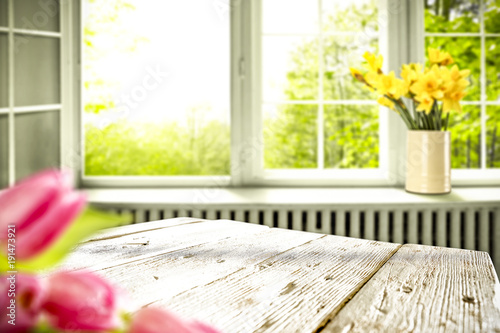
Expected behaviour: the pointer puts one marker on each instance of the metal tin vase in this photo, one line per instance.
(428, 162)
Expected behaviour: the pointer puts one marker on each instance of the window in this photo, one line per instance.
(31, 94)
(234, 93)
(314, 115)
(470, 31)
(156, 88)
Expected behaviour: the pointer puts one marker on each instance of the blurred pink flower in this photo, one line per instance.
(81, 301)
(28, 296)
(154, 320)
(41, 207)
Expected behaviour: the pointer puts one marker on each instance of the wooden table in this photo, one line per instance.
(244, 277)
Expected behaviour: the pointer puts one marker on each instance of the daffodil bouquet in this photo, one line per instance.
(434, 91)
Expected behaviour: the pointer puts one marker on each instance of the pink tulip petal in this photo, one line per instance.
(40, 235)
(24, 203)
(154, 320)
(199, 327)
(29, 296)
(81, 301)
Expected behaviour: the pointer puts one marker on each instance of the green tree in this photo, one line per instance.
(132, 148)
(350, 131)
(446, 16)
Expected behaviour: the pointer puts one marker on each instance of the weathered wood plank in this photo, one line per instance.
(164, 275)
(127, 246)
(294, 291)
(426, 289)
(141, 227)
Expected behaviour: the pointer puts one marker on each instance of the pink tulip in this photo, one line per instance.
(154, 320)
(28, 296)
(81, 301)
(41, 208)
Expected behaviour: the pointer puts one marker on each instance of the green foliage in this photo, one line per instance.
(350, 131)
(157, 149)
(466, 51)
(351, 134)
(290, 135)
(104, 34)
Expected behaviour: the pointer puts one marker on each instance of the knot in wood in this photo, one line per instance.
(468, 299)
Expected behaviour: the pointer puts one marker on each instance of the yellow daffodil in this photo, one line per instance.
(374, 63)
(386, 102)
(439, 57)
(429, 83)
(453, 95)
(390, 85)
(357, 74)
(434, 90)
(410, 72)
(425, 102)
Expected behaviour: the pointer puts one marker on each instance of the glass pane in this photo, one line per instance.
(466, 138)
(466, 51)
(493, 69)
(37, 142)
(4, 77)
(289, 16)
(36, 15)
(492, 16)
(452, 16)
(35, 84)
(289, 68)
(351, 136)
(357, 16)
(341, 53)
(4, 151)
(156, 88)
(290, 136)
(493, 137)
(3, 13)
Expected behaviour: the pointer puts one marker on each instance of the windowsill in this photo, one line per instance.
(289, 196)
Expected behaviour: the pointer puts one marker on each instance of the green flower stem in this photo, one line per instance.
(446, 121)
(403, 111)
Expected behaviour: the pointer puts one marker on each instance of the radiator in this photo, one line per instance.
(471, 227)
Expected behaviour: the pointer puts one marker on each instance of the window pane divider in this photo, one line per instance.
(482, 81)
(461, 34)
(32, 108)
(320, 160)
(37, 33)
(324, 33)
(331, 102)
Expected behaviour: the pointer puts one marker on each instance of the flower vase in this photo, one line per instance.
(428, 162)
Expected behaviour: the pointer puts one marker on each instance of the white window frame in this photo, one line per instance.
(481, 176)
(66, 116)
(400, 21)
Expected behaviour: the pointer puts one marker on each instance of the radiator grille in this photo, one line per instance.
(473, 228)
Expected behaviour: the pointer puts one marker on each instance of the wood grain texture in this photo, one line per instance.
(167, 274)
(125, 244)
(140, 227)
(426, 289)
(293, 291)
